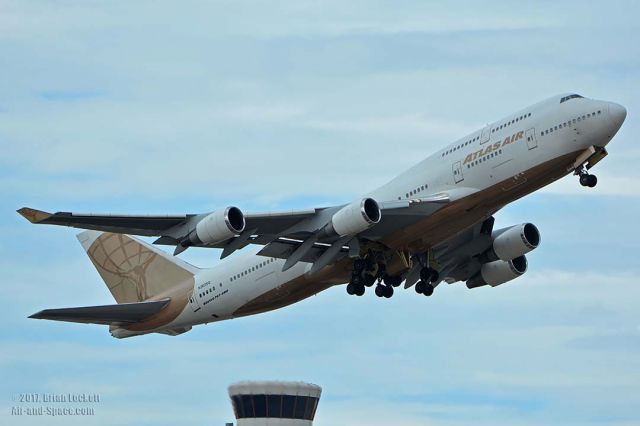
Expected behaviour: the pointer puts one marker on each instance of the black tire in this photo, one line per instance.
(351, 289)
(392, 280)
(359, 290)
(380, 290)
(369, 280)
(434, 276)
(388, 291)
(420, 287)
(592, 181)
(428, 290)
(425, 274)
(584, 179)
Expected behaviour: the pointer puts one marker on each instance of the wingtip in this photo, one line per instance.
(33, 215)
(37, 315)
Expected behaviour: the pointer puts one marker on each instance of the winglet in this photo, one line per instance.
(33, 215)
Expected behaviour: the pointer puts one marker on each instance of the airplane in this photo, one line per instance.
(433, 223)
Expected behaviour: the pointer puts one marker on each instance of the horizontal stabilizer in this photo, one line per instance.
(121, 314)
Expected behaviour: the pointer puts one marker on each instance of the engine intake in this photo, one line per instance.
(354, 218)
(498, 272)
(512, 242)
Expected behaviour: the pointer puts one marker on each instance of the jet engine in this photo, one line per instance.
(354, 218)
(512, 242)
(498, 272)
(219, 226)
(215, 228)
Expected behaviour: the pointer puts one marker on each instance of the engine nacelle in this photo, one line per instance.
(218, 226)
(354, 218)
(498, 272)
(514, 241)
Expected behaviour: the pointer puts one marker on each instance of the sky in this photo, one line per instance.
(166, 107)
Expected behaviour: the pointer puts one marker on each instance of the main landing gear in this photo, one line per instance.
(428, 276)
(585, 178)
(366, 273)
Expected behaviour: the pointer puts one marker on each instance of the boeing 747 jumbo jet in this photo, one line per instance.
(432, 223)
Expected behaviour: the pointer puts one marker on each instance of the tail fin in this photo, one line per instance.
(133, 270)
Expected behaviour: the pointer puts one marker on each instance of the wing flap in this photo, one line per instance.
(284, 247)
(121, 314)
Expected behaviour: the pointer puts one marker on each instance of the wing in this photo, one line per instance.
(121, 314)
(293, 235)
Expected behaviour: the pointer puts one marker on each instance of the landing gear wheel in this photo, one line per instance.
(351, 289)
(388, 291)
(425, 274)
(369, 280)
(428, 290)
(420, 287)
(392, 280)
(586, 179)
(359, 290)
(429, 275)
(380, 290)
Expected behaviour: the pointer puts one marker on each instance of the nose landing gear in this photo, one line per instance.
(586, 179)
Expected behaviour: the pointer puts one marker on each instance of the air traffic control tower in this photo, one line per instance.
(274, 403)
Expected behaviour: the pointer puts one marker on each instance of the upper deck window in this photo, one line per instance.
(566, 98)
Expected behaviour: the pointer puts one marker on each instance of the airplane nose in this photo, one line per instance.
(617, 114)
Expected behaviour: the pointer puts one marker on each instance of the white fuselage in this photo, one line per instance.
(496, 153)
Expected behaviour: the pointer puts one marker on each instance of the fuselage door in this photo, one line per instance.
(193, 301)
(531, 138)
(486, 134)
(457, 172)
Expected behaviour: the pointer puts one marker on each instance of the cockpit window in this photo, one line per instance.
(566, 98)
